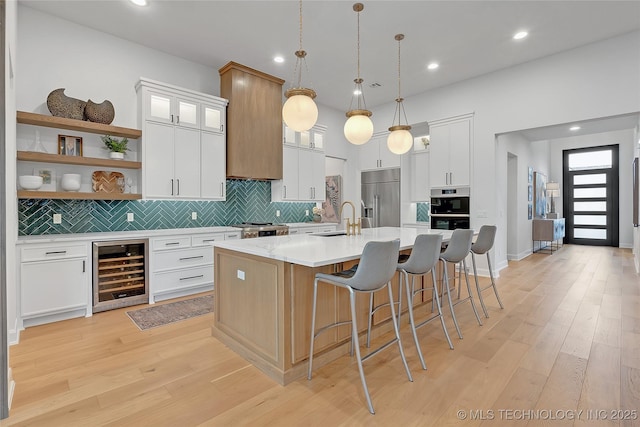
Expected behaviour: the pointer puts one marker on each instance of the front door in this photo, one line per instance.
(590, 198)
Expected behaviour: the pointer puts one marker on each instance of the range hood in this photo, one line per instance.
(254, 122)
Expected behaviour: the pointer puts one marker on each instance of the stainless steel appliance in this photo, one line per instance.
(450, 208)
(120, 274)
(381, 198)
(261, 229)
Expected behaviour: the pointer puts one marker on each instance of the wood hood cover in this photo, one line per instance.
(254, 122)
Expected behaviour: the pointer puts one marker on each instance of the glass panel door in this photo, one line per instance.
(591, 195)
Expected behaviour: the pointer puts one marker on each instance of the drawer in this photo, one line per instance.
(326, 229)
(167, 243)
(207, 239)
(294, 230)
(232, 236)
(54, 252)
(185, 278)
(167, 260)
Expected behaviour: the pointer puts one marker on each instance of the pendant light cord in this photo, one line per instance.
(300, 24)
(358, 45)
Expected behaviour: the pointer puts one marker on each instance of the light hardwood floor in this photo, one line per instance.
(567, 341)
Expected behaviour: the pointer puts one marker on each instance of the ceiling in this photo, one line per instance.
(467, 38)
(587, 127)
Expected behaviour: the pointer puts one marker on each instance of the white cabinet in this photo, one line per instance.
(449, 163)
(420, 190)
(303, 167)
(54, 282)
(183, 265)
(376, 155)
(185, 155)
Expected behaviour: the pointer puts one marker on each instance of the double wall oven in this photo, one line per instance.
(450, 208)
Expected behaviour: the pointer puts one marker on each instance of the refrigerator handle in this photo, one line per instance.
(376, 211)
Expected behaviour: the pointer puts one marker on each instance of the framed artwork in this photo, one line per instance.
(48, 179)
(69, 145)
(530, 176)
(540, 194)
(529, 210)
(530, 193)
(333, 199)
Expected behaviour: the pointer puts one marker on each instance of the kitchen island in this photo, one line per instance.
(264, 289)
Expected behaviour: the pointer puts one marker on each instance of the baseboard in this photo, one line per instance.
(519, 257)
(12, 387)
(637, 263)
(13, 336)
(625, 245)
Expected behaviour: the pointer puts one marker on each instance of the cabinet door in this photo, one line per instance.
(187, 163)
(212, 166)
(387, 158)
(290, 136)
(420, 190)
(439, 156)
(318, 179)
(290, 167)
(459, 137)
(213, 118)
(53, 286)
(318, 141)
(306, 174)
(187, 113)
(158, 160)
(305, 139)
(369, 155)
(158, 107)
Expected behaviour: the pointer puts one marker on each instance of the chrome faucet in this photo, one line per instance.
(355, 227)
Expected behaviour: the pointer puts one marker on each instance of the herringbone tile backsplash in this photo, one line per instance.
(422, 212)
(246, 201)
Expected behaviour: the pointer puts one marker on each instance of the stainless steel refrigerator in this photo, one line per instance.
(381, 198)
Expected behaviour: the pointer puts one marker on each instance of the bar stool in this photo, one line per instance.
(424, 257)
(457, 250)
(483, 245)
(375, 271)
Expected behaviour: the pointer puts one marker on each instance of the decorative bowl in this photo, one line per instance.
(30, 182)
(70, 182)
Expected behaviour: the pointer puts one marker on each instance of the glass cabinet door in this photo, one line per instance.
(187, 114)
(159, 107)
(212, 118)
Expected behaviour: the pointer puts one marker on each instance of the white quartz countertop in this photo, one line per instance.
(118, 235)
(312, 250)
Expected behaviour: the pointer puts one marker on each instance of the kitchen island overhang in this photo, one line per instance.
(263, 295)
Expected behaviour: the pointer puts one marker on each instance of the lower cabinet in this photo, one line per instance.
(183, 265)
(54, 283)
(310, 229)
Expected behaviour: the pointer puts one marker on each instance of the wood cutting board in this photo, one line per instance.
(107, 182)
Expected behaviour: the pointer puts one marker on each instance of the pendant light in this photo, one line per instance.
(359, 128)
(299, 112)
(400, 139)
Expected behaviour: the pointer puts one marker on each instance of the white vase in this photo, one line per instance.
(70, 182)
(115, 155)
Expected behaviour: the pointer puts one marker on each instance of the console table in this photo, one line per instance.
(547, 230)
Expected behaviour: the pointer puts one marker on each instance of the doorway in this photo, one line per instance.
(512, 207)
(590, 200)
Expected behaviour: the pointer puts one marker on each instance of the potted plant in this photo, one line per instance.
(116, 147)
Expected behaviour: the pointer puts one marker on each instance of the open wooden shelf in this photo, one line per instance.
(78, 125)
(32, 156)
(28, 194)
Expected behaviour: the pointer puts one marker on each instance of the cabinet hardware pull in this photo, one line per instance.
(172, 187)
(221, 189)
(178, 193)
(221, 128)
(177, 120)
(55, 252)
(284, 191)
(208, 240)
(172, 243)
(192, 277)
(84, 266)
(451, 178)
(172, 118)
(191, 257)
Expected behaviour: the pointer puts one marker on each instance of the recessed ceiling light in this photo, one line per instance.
(520, 35)
(433, 66)
(574, 128)
(139, 2)
(278, 59)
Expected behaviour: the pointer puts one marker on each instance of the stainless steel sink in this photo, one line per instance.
(330, 234)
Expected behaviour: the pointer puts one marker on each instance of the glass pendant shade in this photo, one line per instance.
(300, 113)
(358, 129)
(400, 141)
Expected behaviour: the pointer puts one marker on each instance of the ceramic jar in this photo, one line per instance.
(70, 182)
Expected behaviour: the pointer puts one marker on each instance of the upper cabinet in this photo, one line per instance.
(450, 152)
(254, 122)
(186, 151)
(375, 154)
(303, 173)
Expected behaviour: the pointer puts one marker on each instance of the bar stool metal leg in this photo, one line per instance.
(475, 274)
(473, 305)
(493, 283)
(445, 283)
(436, 297)
(354, 333)
(313, 327)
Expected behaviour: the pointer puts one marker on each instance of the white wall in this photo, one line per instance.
(625, 140)
(593, 81)
(636, 230)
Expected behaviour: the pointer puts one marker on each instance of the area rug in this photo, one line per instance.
(160, 315)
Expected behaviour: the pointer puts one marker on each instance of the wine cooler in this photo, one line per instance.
(120, 274)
